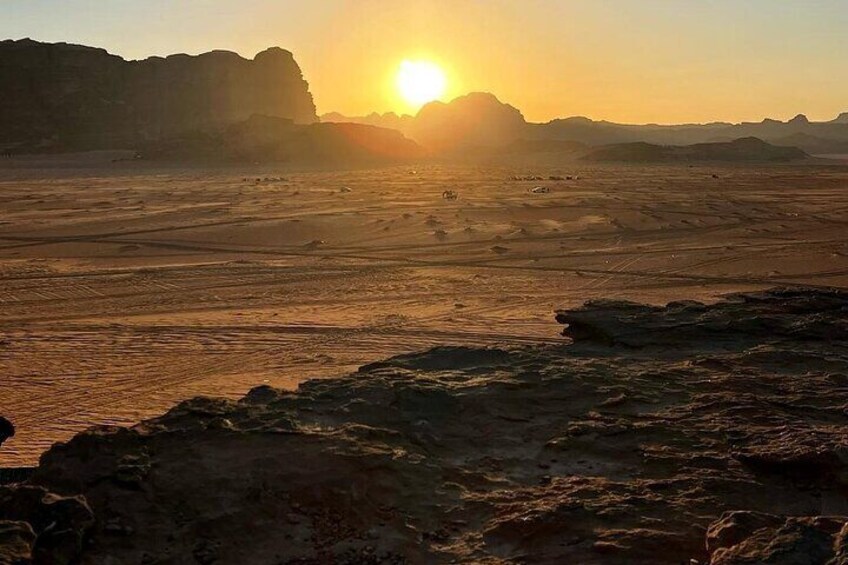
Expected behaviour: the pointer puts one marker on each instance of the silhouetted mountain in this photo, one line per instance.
(745, 149)
(481, 120)
(270, 139)
(64, 96)
(603, 133)
(812, 144)
(474, 120)
(388, 120)
(70, 97)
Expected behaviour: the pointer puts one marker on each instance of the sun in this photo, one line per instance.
(420, 82)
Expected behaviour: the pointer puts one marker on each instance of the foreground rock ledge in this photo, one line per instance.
(683, 434)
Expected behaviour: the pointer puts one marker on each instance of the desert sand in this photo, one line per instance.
(126, 288)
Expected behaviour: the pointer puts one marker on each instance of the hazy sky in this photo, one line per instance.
(622, 60)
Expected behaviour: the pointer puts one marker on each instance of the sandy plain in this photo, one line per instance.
(125, 288)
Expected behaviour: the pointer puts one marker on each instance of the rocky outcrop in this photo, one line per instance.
(813, 145)
(748, 538)
(7, 430)
(60, 96)
(268, 139)
(740, 320)
(718, 434)
(474, 122)
(740, 150)
(16, 542)
(41, 527)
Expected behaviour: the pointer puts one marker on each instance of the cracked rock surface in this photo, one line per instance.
(688, 433)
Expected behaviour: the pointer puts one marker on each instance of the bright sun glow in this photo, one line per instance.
(420, 82)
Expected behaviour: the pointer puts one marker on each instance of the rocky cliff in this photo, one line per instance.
(62, 96)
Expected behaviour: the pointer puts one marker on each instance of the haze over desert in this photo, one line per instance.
(240, 326)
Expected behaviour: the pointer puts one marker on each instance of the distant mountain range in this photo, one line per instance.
(481, 120)
(218, 105)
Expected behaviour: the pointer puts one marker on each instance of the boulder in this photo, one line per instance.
(7, 429)
(749, 538)
(16, 543)
(54, 526)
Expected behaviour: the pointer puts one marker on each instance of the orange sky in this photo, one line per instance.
(635, 61)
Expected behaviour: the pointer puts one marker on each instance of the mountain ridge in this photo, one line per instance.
(68, 97)
(63, 96)
(744, 149)
(814, 137)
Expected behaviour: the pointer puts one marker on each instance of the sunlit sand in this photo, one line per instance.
(128, 289)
